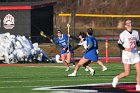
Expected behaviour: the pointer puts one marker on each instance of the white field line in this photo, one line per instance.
(53, 67)
(117, 67)
(50, 88)
(19, 86)
(51, 80)
(8, 81)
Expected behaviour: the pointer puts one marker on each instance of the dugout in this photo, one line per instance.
(27, 18)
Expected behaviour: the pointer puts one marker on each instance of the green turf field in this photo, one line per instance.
(22, 79)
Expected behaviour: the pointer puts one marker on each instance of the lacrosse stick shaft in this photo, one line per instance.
(68, 26)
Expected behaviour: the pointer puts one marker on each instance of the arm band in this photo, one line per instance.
(121, 46)
(138, 43)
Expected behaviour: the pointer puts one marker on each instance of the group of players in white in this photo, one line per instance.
(19, 48)
(128, 42)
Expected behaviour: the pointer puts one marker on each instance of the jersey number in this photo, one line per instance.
(132, 44)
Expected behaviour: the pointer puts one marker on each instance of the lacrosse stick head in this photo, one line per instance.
(68, 25)
(41, 33)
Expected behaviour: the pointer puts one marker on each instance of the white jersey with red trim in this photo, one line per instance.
(128, 40)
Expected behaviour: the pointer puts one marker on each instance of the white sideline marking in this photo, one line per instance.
(19, 86)
(51, 80)
(47, 66)
(52, 88)
(97, 79)
(118, 67)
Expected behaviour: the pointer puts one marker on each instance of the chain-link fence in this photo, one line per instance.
(104, 28)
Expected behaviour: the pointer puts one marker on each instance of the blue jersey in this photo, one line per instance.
(63, 42)
(91, 39)
(91, 53)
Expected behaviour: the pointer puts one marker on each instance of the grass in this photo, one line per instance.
(22, 79)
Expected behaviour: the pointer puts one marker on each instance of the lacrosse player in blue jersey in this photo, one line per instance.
(90, 54)
(66, 50)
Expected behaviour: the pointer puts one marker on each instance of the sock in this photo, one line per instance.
(68, 67)
(75, 72)
(90, 69)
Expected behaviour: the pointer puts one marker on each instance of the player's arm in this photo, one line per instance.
(90, 44)
(120, 42)
(121, 46)
(55, 42)
(66, 47)
(137, 40)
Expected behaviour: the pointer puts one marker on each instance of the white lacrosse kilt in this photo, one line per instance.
(130, 57)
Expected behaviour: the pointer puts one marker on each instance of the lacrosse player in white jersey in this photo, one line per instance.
(128, 42)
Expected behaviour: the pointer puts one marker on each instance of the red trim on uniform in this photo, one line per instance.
(15, 7)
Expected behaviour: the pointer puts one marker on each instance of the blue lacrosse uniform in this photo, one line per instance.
(91, 54)
(63, 42)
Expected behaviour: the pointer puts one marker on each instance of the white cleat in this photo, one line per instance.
(72, 75)
(86, 69)
(115, 82)
(92, 72)
(137, 87)
(104, 68)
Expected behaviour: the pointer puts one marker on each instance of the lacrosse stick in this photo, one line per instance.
(68, 26)
(45, 36)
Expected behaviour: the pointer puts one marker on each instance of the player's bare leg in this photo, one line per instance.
(85, 65)
(127, 68)
(78, 65)
(68, 58)
(92, 71)
(137, 66)
(104, 68)
(63, 57)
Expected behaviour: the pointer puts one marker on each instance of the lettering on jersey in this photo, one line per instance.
(95, 44)
(9, 22)
(62, 42)
(132, 39)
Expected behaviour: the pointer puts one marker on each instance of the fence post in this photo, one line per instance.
(106, 45)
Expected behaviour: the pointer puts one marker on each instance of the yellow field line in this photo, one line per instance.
(100, 15)
(107, 28)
